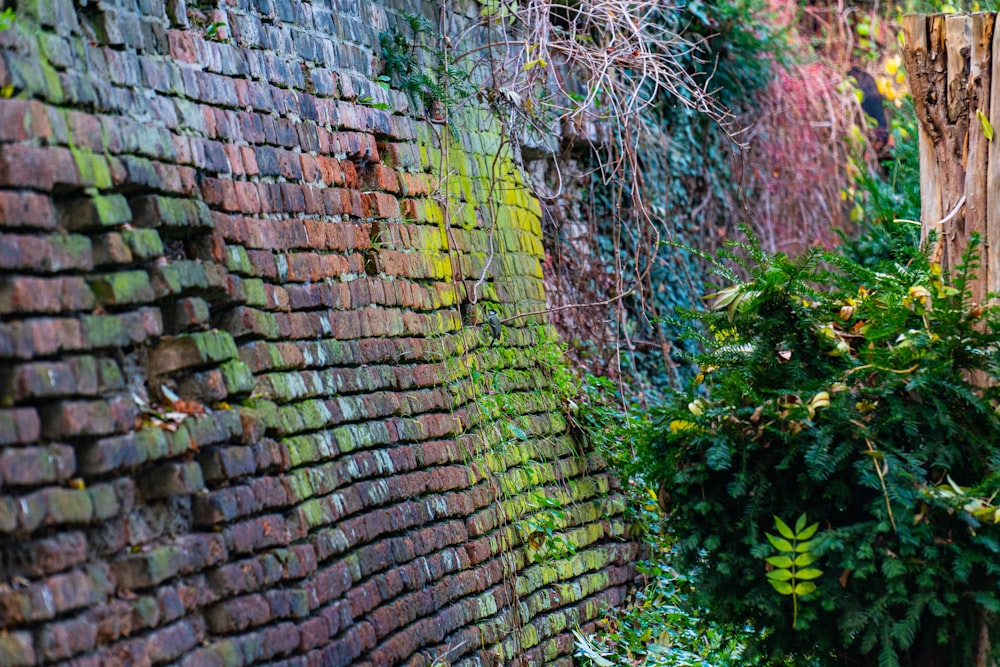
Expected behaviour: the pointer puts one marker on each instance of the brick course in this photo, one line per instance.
(225, 217)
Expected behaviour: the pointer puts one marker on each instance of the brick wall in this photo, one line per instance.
(249, 411)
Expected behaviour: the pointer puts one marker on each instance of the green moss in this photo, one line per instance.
(144, 243)
(93, 169)
(125, 287)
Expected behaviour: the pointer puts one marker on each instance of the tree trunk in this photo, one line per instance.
(950, 63)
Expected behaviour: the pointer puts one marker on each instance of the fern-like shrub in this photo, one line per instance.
(859, 397)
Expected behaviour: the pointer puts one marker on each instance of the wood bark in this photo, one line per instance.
(957, 97)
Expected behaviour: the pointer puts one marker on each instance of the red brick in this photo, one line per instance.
(24, 294)
(249, 161)
(172, 479)
(19, 426)
(234, 155)
(73, 419)
(15, 120)
(380, 177)
(36, 167)
(171, 642)
(67, 638)
(25, 209)
(32, 466)
(238, 614)
(45, 253)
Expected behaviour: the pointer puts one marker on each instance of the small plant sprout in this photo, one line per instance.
(7, 17)
(790, 572)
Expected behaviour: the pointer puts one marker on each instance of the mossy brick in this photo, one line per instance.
(93, 169)
(181, 214)
(17, 649)
(109, 375)
(9, 514)
(103, 331)
(191, 350)
(47, 254)
(33, 76)
(238, 261)
(122, 452)
(238, 377)
(66, 506)
(245, 321)
(93, 212)
(144, 243)
(147, 568)
(172, 479)
(19, 426)
(105, 501)
(33, 466)
(255, 292)
(122, 288)
(182, 276)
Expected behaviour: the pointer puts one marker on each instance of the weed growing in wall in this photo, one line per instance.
(412, 63)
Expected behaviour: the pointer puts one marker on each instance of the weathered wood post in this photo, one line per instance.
(955, 88)
(955, 80)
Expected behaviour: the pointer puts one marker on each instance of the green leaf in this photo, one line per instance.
(800, 523)
(804, 588)
(782, 587)
(808, 573)
(985, 122)
(778, 543)
(805, 534)
(780, 561)
(803, 547)
(779, 575)
(517, 431)
(804, 559)
(784, 529)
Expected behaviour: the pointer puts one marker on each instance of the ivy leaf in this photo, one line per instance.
(779, 544)
(784, 529)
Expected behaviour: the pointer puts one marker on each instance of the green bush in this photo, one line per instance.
(848, 394)
(887, 202)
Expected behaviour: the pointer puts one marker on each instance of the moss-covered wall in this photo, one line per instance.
(222, 201)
